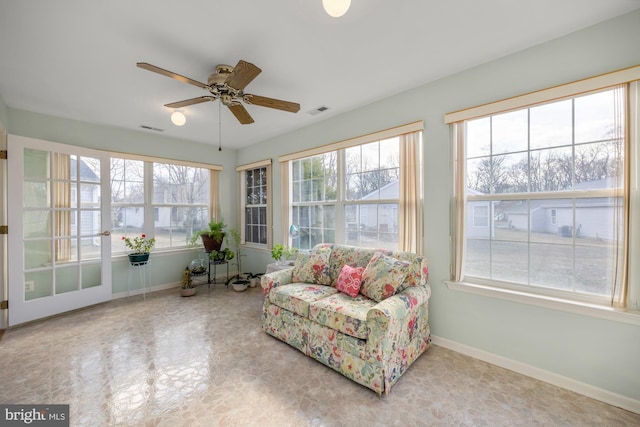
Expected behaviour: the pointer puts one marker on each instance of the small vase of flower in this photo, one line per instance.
(140, 247)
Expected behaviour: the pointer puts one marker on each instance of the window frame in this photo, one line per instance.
(242, 179)
(148, 204)
(629, 76)
(413, 161)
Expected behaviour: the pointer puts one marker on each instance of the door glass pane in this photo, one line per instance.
(89, 168)
(90, 247)
(36, 194)
(36, 224)
(89, 195)
(37, 284)
(65, 250)
(37, 253)
(90, 275)
(36, 164)
(66, 279)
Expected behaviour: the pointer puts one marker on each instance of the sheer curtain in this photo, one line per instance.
(620, 270)
(214, 179)
(410, 223)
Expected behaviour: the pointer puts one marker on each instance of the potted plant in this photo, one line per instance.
(254, 279)
(283, 254)
(221, 255)
(187, 288)
(212, 237)
(140, 247)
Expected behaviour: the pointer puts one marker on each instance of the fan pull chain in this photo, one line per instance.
(219, 128)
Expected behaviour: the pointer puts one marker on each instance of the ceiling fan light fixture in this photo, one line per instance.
(336, 8)
(178, 118)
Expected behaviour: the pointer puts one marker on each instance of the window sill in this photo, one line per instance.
(631, 317)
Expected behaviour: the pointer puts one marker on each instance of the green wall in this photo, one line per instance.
(600, 353)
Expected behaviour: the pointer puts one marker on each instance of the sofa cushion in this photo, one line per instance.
(313, 267)
(343, 313)
(383, 276)
(348, 255)
(296, 297)
(350, 280)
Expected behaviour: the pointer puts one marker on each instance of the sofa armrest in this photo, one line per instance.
(275, 279)
(394, 321)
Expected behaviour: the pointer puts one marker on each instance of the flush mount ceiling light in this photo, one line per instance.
(336, 8)
(178, 119)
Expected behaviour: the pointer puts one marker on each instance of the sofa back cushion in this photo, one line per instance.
(313, 267)
(417, 274)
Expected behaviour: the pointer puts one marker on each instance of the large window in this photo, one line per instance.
(255, 194)
(354, 194)
(550, 182)
(168, 201)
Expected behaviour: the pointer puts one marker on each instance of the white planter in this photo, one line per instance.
(239, 286)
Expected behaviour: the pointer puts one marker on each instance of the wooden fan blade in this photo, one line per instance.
(191, 101)
(243, 73)
(171, 74)
(278, 104)
(241, 113)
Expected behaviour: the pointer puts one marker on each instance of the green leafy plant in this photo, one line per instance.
(225, 254)
(281, 251)
(215, 231)
(139, 244)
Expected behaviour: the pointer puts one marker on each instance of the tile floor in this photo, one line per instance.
(204, 361)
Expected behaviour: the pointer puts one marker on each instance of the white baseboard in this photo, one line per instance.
(149, 289)
(585, 389)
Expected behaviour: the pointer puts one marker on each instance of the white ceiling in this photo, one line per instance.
(77, 58)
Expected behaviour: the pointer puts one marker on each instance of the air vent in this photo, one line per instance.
(318, 110)
(151, 128)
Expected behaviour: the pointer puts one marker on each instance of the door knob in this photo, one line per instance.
(105, 233)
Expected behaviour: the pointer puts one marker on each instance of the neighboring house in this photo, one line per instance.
(479, 224)
(553, 216)
(89, 220)
(384, 216)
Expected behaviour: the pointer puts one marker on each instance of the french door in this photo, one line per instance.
(59, 256)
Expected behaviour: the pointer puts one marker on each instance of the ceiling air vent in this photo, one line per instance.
(318, 110)
(151, 128)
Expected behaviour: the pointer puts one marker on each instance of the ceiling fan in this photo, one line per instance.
(227, 84)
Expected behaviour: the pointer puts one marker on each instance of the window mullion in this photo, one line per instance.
(149, 218)
(340, 197)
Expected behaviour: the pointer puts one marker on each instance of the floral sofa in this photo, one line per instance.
(371, 334)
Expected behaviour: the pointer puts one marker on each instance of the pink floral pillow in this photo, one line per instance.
(313, 267)
(383, 276)
(349, 280)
